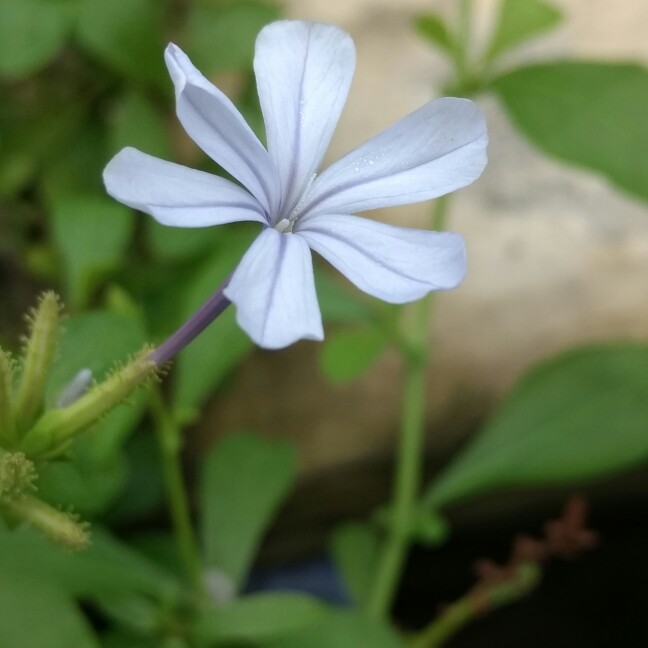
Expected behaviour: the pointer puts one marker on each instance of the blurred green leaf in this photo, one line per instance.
(92, 233)
(355, 549)
(119, 638)
(245, 479)
(426, 527)
(95, 473)
(126, 35)
(107, 567)
(217, 350)
(257, 618)
(519, 21)
(431, 27)
(77, 165)
(133, 611)
(31, 33)
(143, 495)
(340, 629)
(346, 355)
(137, 123)
(35, 613)
(31, 140)
(339, 302)
(96, 340)
(579, 416)
(180, 244)
(429, 528)
(220, 36)
(589, 114)
(86, 485)
(161, 548)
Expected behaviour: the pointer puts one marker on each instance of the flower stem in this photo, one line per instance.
(169, 440)
(462, 60)
(195, 325)
(405, 490)
(410, 455)
(475, 603)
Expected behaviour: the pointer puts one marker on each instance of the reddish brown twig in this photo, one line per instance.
(498, 585)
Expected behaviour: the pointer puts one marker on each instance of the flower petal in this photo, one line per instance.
(436, 149)
(303, 73)
(274, 291)
(395, 264)
(175, 195)
(214, 123)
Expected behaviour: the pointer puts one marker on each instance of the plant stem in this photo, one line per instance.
(195, 325)
(410, 455)
(169, 440)
(462, 58)
(477, 602)
(405, 490)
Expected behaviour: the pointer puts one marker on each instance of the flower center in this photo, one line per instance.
(284, 226)
(286, 223)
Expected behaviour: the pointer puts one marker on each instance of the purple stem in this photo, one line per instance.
(195, 325)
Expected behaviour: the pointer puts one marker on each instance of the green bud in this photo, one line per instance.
(7, 415)
(37, 359)
(17, 475)
(61, 527)
(57, 427)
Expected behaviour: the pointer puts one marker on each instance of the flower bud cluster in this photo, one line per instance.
(31, 433)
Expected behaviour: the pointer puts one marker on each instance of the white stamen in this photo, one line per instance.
(304, 197)
(284, 225)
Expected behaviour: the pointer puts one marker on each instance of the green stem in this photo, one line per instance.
(410, 455)
(475, 603)
(169, 440)
(462, 59)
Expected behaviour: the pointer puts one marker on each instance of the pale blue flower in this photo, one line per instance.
(303, 73)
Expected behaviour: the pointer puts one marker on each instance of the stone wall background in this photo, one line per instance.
(557, 256)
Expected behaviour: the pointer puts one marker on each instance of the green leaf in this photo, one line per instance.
(126, 35)
(339, 629)
(217, 350)
(355, 550)
(519, 21)
(143, 495)
(136, 122)
(97, 340)
(161, 548)
(346, 355)
(35, 613)
(221, 36)
(339, 302)
(119, 638)
(95, 473)
(579, 416)
(245, 479)
(133, 611)
(180, 244)
(92, 233)
(76, 165)
(589, 114)
(431, 27)
(31, 33)
(86, 485)
(429, 528)
(32, 139)
(106, 568)
(122, 639)
(258, 617)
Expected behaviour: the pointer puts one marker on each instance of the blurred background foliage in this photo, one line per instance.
(79, 80)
